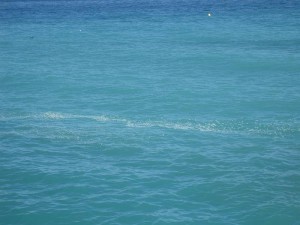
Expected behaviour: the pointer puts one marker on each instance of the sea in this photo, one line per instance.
(137, 112)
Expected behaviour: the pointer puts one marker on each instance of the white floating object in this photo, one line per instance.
(209, 14)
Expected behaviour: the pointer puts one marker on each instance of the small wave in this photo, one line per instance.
(8, 118)
(60, 116)
(223, 127)
(226, 127)
(175, 126)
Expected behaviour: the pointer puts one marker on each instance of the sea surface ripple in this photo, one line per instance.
(149, 112)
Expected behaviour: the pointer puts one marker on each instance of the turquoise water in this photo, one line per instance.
(149, 112)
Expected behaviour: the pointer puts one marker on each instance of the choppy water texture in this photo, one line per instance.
(149, 112)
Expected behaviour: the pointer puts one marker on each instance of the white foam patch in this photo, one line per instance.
(99, 118)
(62, 116)
(54, 115)
(174, 126)
(224, 127)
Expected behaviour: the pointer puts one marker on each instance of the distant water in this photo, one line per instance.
(150, 112)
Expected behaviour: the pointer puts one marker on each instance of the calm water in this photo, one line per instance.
(149, 112)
